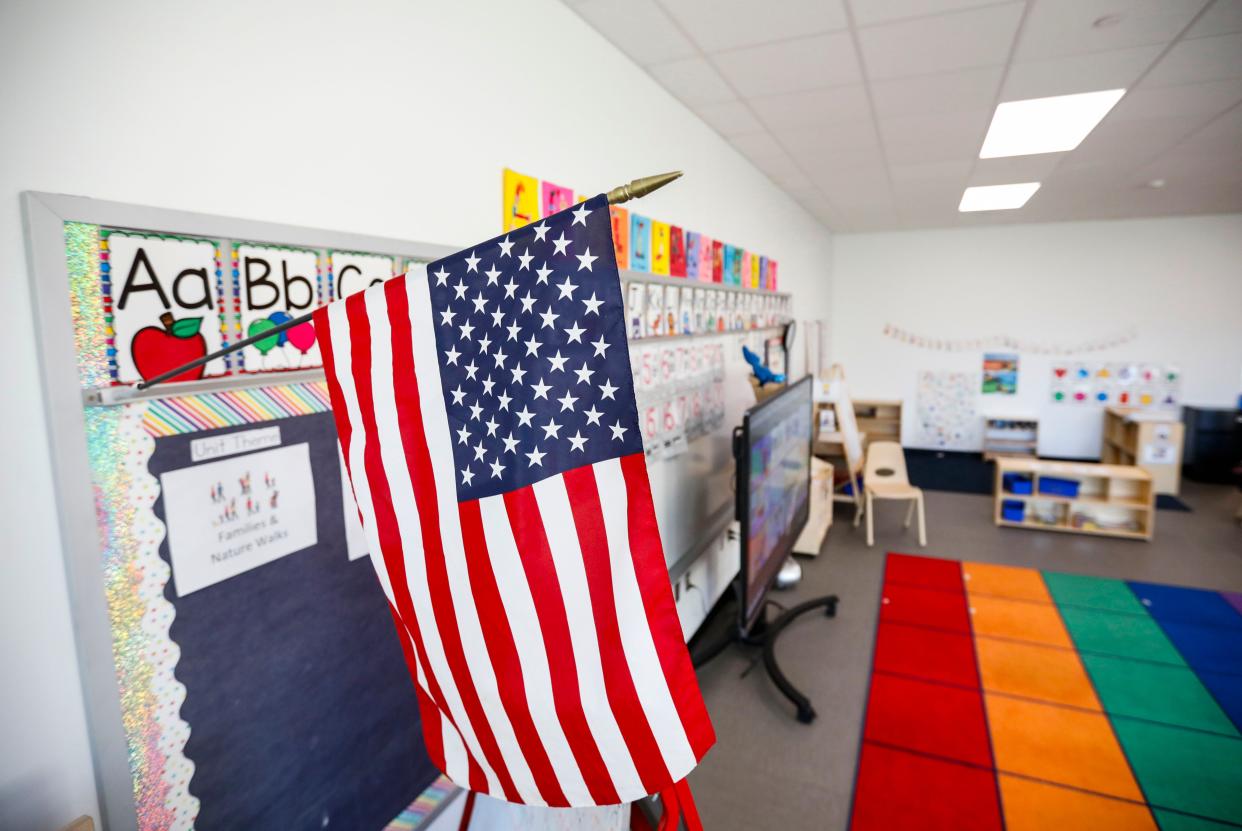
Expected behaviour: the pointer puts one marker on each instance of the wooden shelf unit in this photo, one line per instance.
(1010, 435)
(1151, 440)
(880, 419)
(1119, 490)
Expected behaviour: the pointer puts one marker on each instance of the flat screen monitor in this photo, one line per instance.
(773, 489)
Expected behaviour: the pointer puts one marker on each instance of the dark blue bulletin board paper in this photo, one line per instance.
(302, 714)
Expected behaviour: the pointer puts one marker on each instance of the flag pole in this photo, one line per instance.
(635, 189)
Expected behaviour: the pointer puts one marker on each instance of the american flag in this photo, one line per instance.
(486, 413)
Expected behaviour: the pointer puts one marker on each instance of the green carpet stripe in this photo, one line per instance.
(1125, 636)
(1170, 821)
(1167, 694)
(1185, 770)
(1093, 592)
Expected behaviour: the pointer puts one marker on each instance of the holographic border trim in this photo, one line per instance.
(105, 289)
(91, 332)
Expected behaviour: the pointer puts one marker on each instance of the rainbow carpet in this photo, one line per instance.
(1010, 698)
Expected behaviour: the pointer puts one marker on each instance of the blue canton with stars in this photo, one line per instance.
(533, 354)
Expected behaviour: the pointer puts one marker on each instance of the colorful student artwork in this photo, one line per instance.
(718, 261)
(947, 415)
(659, 247)
(164, 299)
(676, 252)
(621, 235)
(272, 286)
(705, 258)
(730, 265)
(1121, 383)
(520, 195)
(772, 276)
(763, 273)
(1000, 373)
(350, 272)
(692, 240)
(555, 198)
(640, 243)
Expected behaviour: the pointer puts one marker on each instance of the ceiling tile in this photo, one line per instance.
(782, 170)
(1201, 59)
(837, 138)
(947, 92)
(1221, 137)
(1224, 17)
(1191, 100)
(1137, 139)
(920, 139)
(759, 145)
(727, 24)
(639, 28)
(869, 12)
(693, 81)
(816, 161)
(791, 65)
(1015, 169)
(812, 109)
(729, 118)
(1056, 28)
(1117, 69)
(931, 173)
(978, 37)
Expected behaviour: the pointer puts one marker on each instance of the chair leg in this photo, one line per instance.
(870, 521)
(922, 523)
(858, 501)
(909, 513)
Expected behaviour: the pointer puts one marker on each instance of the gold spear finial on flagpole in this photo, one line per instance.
(641, 187)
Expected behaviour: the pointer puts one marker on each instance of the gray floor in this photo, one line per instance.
(769, 771)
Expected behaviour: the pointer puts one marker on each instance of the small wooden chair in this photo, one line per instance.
(885, 477)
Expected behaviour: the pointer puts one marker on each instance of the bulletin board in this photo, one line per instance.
(238, 659)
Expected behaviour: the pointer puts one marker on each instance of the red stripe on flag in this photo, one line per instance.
(622, 696)
(503, 652)
(381, 500)
(657, 595)
(545, 589)
(418, 459)
(433, 735)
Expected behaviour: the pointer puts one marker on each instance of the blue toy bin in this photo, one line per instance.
(1013, 510)
(1053, 486)
(1019, 483)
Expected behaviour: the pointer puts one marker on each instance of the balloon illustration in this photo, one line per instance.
(278, 318)
(302, 336)
(264, 345)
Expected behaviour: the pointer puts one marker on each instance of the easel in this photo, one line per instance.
(837, 393)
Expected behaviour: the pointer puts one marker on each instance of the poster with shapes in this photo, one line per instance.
(1000, 373)
(1121, 383)
(640, 243)
(947, 415)
(164, 296)
(717, 261)
(555, 198)
(273, 285)
(676, 252)
(620, 235)
(692, 254)
(520, 197)
(659, 248)
(229, 516)
(350, 272)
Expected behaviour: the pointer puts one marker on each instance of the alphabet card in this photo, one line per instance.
(676, 252)
(350, 272)
(640, 243)
(659, 247)
(163, 296)
(620, 235)
(556, 198)
(271, 286)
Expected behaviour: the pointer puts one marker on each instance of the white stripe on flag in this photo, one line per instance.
(444, 469)
(640, 650)
(554, 508)
(523, 618)
(455, 762)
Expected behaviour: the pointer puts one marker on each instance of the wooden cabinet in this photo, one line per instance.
(880, 419)
(1151, 440)
(1085, 498)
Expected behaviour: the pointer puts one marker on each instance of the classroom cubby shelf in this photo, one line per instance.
(1105, 494)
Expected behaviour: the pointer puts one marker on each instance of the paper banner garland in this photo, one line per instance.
(1006, 342)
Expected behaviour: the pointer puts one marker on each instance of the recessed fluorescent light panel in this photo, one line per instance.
(1046, 125)
(997, 197)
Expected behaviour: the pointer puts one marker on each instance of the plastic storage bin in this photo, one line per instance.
(1013, 510)
(1053, 486)
(1019, 483)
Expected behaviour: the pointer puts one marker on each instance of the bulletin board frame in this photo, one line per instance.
(44, 218)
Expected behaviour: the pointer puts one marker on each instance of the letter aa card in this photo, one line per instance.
(164, 297)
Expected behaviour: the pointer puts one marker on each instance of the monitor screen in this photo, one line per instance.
(774, 489)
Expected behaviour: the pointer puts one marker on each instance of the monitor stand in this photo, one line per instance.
(764, 634)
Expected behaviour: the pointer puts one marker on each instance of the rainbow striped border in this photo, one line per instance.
(209, 411)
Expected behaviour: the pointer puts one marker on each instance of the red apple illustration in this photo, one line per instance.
(157, 350)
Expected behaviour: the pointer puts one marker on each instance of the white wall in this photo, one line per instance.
(391, 118)
(1177, 282)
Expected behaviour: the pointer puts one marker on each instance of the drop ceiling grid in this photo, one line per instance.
(896, 89)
